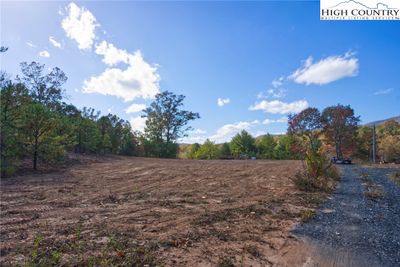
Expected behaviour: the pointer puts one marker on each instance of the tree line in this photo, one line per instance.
(335, 130)
(244, 146)
(39, 126)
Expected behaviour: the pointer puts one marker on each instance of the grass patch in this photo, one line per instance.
(214, 217)
(118, 251)
(395, 177)
(255, 210)
(372, 190)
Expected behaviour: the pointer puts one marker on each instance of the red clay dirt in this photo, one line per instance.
(128, 211)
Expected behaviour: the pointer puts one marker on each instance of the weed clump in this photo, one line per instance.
(325, 183)
(226, 261)
(395, 177)
(307, 215)
(374, 192)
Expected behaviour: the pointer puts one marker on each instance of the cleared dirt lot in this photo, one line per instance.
(140, 211)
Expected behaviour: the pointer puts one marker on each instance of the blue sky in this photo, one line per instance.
(241, 65)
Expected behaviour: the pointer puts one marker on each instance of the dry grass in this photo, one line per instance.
(372, 190)
(395, 177)
(374, 193)
(307, 215)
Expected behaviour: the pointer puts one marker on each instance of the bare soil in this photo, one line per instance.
(137, 211)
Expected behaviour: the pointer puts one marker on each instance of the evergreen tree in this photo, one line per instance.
(266, 146)
(243, 145)
(13, 97)
(208, 150)
(225, 151)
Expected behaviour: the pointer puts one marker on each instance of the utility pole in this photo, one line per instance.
(373, 145)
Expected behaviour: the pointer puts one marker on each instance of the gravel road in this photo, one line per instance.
(352, 229)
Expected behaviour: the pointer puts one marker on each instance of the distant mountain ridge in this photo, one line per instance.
(377, 123)
(353, 2)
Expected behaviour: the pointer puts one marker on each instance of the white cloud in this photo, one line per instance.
(193, 139)
(44, 53)
(198, 131)
(277, 91)
(138, 80)
(280, 120)
(227, 131)
(223, 101)
(109, 110)
(138, 123)
(194, 136)
(30, 44)
(277, 82)
(135, 108)
(54, 42)
(268, 121)
(384, 92)
(80, 25)
(259, 133)
(111, 54)
(276, 106)
(326, 70)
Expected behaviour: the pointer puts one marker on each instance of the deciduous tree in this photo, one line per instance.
(265, 147)
(339, 126)
(166, 122)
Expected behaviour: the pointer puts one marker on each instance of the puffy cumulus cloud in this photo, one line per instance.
(194, 136)
(111, 54)
(79, 25)
(223, 101)
(44, 53)
(54, 42)
(135, 108)
(276, 106)
(138, 123)
(260, 133)
(198, 131)
(139, 80)
(326, 70)
(227, 131)
(269, 121)
(193, 139)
